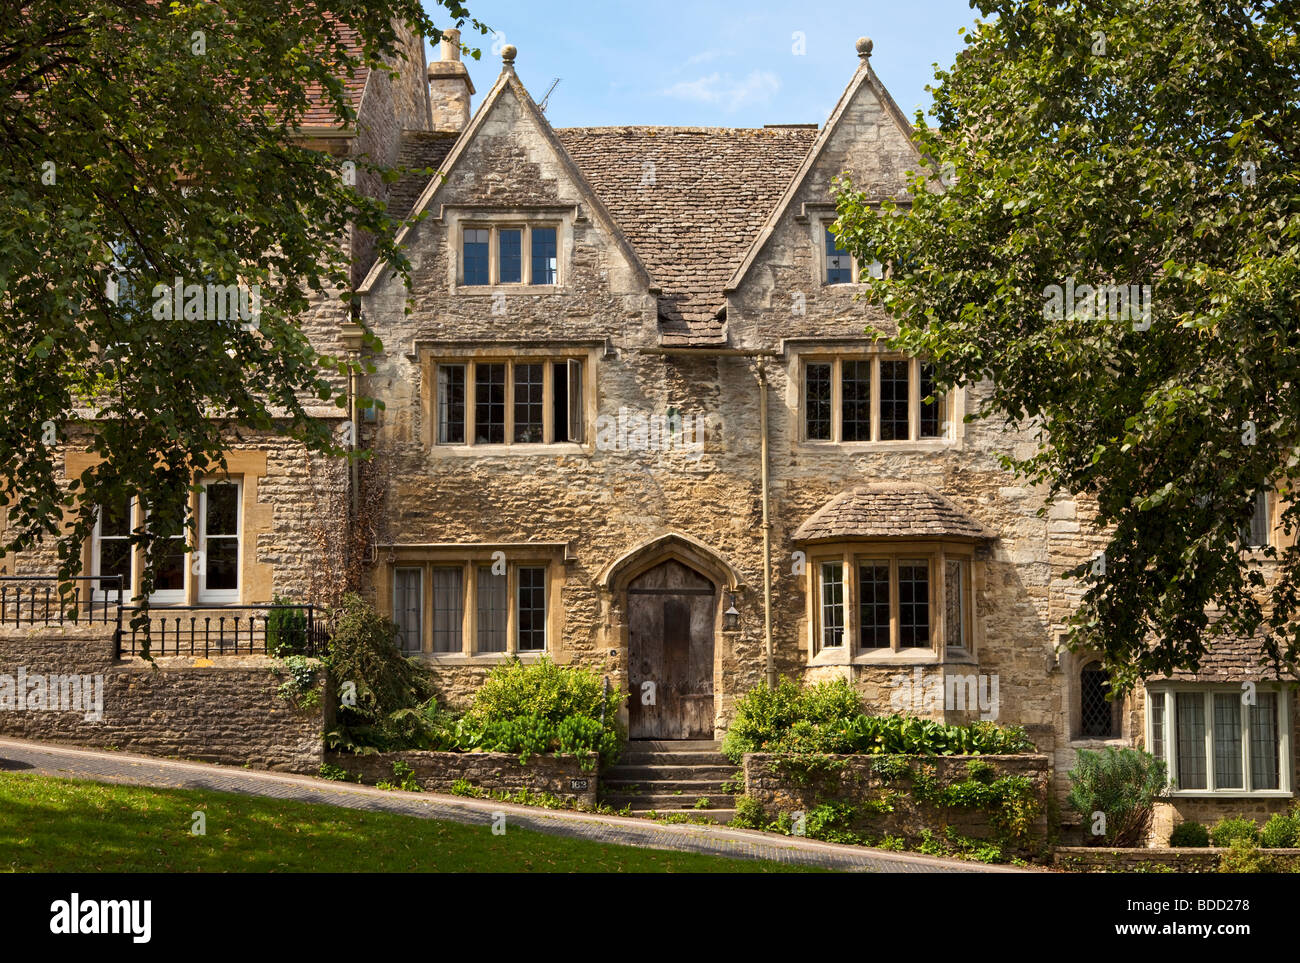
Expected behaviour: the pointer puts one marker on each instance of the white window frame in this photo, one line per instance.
(1286, 761)
(221, 596)
(947, 403)
(101, 594)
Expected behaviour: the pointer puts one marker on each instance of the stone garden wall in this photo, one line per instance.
(225, 709)
(896, 803)
(558, 775)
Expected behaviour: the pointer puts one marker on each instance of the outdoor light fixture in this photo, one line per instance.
(731, 618)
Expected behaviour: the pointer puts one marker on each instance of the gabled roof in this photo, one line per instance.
(509, 81)
(419, 149)
(889, 510)
(321, 113)
(864, 76)
(691, 201)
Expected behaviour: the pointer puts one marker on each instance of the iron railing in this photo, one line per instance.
(49, 600)
(209, 630)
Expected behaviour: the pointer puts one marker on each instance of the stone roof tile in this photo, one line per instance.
(890, 510)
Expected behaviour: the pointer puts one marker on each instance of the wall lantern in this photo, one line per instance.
(731, 618)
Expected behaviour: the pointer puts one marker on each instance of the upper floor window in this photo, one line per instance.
(838, 265)
(472, 606)
(871, 600)
(871, 399)
(1220, 739)
(508, 254)
(1257, 533)
(512, 401)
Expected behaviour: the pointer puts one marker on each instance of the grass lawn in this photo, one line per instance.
(74, 826)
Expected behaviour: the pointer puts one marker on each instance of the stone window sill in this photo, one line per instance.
(483, 658)
(517, 450)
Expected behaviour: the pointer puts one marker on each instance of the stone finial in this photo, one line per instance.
(508, 54)
(864, 46)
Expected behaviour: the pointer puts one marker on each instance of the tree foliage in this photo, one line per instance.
(1121, 143)
(140, 142)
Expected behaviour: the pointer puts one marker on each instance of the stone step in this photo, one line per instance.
(637, 772)
(722, 816)
(669, 800)
(660, 785)
(646, 757)
(675, 745)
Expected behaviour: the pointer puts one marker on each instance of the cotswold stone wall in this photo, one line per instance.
(855, 780)
(1097, 859)
(225, 709)
(559, 775)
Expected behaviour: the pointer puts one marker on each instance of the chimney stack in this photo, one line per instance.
(449, 86)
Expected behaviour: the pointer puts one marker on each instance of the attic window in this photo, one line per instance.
(508, 254)
(839, 263)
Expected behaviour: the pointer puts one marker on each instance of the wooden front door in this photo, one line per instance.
(670, 614)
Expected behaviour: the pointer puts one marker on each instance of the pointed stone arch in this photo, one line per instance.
(671, 546)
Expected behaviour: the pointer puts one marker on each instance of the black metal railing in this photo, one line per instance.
(50, 600)
(209, 630)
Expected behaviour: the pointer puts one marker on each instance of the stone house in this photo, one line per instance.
(632, 420)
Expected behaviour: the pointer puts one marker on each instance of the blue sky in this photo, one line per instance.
(709, 63)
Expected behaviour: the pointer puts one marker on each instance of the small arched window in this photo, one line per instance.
(1098, 718)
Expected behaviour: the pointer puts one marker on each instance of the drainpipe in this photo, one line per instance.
(351, 337)
(767, 528)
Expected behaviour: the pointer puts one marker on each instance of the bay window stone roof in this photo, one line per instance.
(890, 510)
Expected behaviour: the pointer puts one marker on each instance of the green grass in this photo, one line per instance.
(74, 826)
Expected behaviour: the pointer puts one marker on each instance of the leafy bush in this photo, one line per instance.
(827, 718)
(543, 707)
(1226, 830)
(394, 706)
(286, 629)
(1243, 856)
(1282, 831)
(1190, 833)
(1121, 784)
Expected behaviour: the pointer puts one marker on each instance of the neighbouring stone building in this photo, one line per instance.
(633, 420)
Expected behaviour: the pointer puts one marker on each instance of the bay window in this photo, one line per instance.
(871, 601)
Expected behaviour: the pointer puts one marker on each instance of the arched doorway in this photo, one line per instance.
(671, 610)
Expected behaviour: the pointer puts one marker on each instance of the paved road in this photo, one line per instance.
(120, 767)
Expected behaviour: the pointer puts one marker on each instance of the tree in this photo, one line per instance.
(141, 142)
(1108, 145)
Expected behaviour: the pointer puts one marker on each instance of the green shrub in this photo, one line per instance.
(543, 707)
(1243, 856)
(394, 699)
(827, 718)
(749, 813)
(1226, 830)
(1189, 833)
(286, 630)
(1120, 784)
(1282, 831)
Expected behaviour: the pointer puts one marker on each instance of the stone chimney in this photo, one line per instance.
(449, 86)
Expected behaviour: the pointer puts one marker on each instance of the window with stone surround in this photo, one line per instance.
(1099, 717)
(476, 606)
(838, 265)
(1258, 532)
(1222, 740)
(891, 601)
(508, 254)
(509, 401)
(212, 575)
(874, 398)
